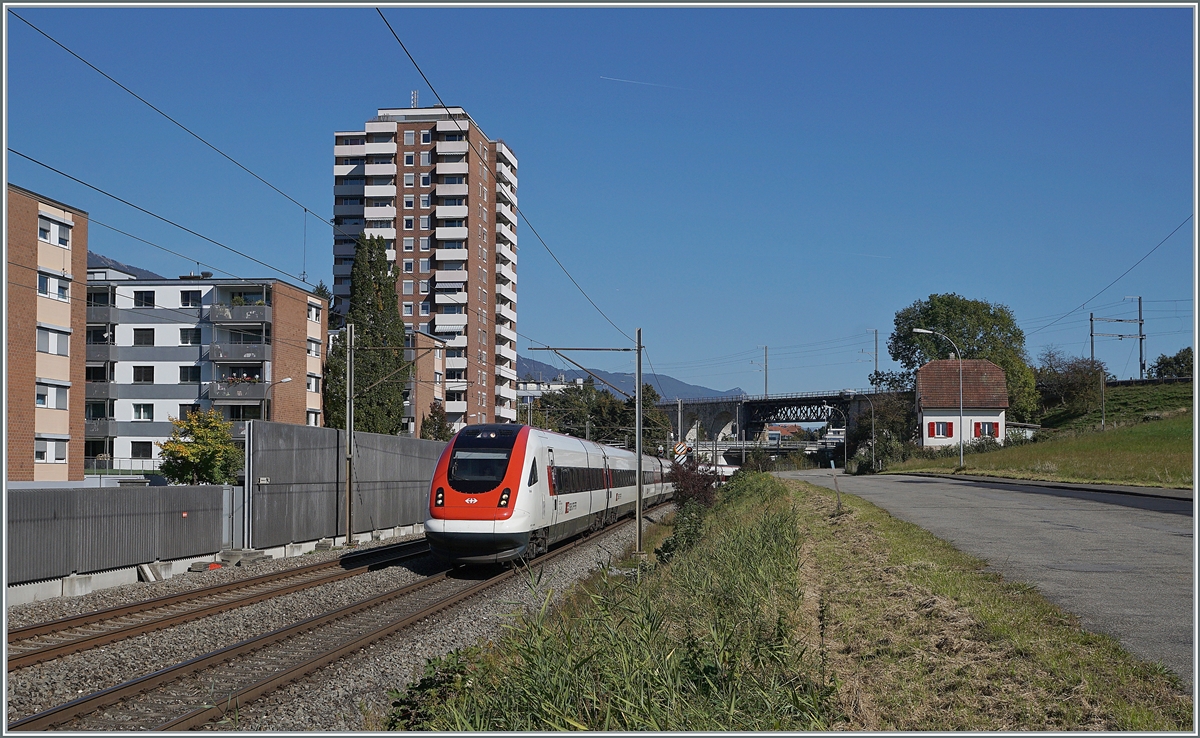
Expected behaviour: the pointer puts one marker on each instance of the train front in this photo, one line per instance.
(474, 511)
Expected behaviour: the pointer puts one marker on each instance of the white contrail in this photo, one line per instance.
(648, 84)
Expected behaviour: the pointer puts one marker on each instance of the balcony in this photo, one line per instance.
(507, 372)
(342, 270)
(508, 393)
(507, 174)
(239, 313)
(443, 276)
(100, 391)
(506, 293)
(102, 314)
(452, 167)
(237, 390)
(452, 148)
(239, 429)
(507, 272)
(451, 234)
(505, 311)
(355, 150)
(381, 148)
(239, 352)
(456, 362)
(347, 190)
(377, 190)
(456, 385)
(456, 342)
(380, 170)
(444, 255)
(379, 213)
(384, 233)
(445, 190)
(506, 192)
(451, 211)
(504, 231)
(506, 413)
(454, 125)
(506, 352)
(450, 298)
(507, 251)
(99, 427)
(506, 332)
(345, 170)
(452, 322)
(101, 352)
(381, 126)
(505, 153)
(506, 213)
(457, 407)
(353, 211)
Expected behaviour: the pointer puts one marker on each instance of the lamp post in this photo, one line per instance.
(845, 434)
(957, 352)
(850, 394)
(267, 395)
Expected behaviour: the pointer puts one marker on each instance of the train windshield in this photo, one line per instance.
(480, 459)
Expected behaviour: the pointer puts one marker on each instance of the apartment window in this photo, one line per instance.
(143, 375)
(314, 313)
(426, 201)
(143, 299)
(941, 430)
(454, 223)
(96, 373)
(189, 298)
(425, 179)
(186, 410)
(409, 159)
(409, 201)
(97, 411)
(407, 309)
(408, 287)
(408, 223)
(143, 411)
(423, 286)
(141, 449)
(49, 452)
(408, 266)
(437, 377)
(55, 232)
(986, 430)
(409, 138)
(314, 348)
(424, 265)
(452, 310)
(353, 201)
(425, 308)
(425, 137)
(424, 243)
(51, 397)
(189, 375)
(424, 222)
(426, 159)
(312, 417)
(245, 412)
(53, 342)
(314, 383)
(144, 336)
(408, 179)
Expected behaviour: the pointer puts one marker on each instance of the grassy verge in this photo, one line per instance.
(1125, 406)
(1154, 454)
(919, 637)
(781, 613)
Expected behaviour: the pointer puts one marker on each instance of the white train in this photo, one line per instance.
(505, 491)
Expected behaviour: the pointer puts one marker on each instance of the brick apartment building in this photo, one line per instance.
(443, 197)
(158, 348)
(47, 254)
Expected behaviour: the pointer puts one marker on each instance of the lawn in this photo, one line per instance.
(1125, 406)
(1153, 454)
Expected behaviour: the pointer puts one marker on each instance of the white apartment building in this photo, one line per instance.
(442, 195)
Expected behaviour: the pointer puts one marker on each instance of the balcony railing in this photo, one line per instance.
(101, 352)
(100, 390)
(237, 390)
(101, 314)
(99, 427)
(108, 465)
(240, 313)
(239, 351)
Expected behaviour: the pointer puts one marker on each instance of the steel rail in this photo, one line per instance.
(168, 608)
(94, 702)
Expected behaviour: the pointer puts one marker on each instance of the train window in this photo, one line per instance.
(533, 478)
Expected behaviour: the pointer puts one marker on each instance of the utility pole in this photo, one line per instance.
(349, 425)
(638, 451)
(679, 402)
(766, 365)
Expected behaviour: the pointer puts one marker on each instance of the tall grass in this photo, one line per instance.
(707, 642)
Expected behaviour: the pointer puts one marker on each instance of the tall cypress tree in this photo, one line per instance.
(380, 372)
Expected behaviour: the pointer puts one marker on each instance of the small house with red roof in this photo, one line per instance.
(984, 401)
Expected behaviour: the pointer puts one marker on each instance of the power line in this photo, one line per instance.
(493, 176)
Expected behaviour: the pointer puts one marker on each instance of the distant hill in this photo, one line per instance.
(100, 261)
(670, 387)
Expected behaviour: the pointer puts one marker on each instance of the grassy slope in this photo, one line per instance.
(1125, 406)
(1154, 454)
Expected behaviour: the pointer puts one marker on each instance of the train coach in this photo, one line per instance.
(504, 491)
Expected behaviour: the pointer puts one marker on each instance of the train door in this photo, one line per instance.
(607, 490)
(552, 486)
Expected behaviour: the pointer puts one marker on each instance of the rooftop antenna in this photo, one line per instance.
(414, 98)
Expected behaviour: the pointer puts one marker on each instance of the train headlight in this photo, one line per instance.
(504, 497)
(439, 498)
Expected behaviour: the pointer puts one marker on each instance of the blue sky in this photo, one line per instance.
(785, 177)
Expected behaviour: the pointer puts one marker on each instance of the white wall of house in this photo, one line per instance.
(947, 427)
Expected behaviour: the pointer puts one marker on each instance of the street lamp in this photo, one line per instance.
(961, 429)
(851, 393)
(845, 434)
(267, 396)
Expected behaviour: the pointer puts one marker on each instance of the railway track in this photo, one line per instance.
(215, 685)
(43, 641)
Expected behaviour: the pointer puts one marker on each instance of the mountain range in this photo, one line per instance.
(669, 387)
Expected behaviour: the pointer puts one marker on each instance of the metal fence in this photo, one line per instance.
(56, 532)
(296, 475)
(118, 465)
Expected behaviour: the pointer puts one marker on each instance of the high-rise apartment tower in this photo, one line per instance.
(443, 196)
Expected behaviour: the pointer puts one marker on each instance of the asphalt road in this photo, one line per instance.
(1122, 563)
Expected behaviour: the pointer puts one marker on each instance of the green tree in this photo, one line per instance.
(434, 426)
(582, 406)
(200, 450)
(982, 330)
(380, 371)
(1072, 382)
(1179, 365)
